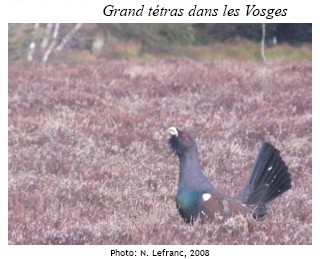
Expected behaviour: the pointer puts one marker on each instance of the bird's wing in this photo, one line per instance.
(216, 205)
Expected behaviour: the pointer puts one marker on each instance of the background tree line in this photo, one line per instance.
(41, 42)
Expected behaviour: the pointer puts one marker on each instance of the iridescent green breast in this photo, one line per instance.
(187, 203)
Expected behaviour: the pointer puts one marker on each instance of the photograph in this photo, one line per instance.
(160, 134)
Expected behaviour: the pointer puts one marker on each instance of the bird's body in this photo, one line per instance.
(198, 198)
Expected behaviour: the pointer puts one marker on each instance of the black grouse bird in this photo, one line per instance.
(197, 198)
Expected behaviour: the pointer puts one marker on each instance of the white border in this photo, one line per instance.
(20, 11)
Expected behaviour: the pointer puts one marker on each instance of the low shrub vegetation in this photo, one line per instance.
(89, 161)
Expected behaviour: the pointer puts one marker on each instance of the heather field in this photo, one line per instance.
(89, 161)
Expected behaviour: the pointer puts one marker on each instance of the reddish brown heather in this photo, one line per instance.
(89, 161)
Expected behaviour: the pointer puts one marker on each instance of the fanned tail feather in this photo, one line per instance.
(269, 179)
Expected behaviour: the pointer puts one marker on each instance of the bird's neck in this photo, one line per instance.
(191, 175)
(189, 164)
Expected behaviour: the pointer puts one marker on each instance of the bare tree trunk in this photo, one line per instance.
(52, 44)
(46, 38)
(97, 42)
(263, 39)
(32, 45)
(69, 36)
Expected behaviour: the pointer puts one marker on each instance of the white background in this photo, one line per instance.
(86, 11)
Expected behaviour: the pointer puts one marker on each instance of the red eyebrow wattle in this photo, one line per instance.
(185, 136)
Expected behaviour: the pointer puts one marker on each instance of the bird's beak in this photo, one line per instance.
(173, 131)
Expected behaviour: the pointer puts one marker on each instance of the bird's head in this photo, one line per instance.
(180, 141)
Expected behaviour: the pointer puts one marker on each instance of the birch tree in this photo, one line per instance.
(32, 44)
(263, 40)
